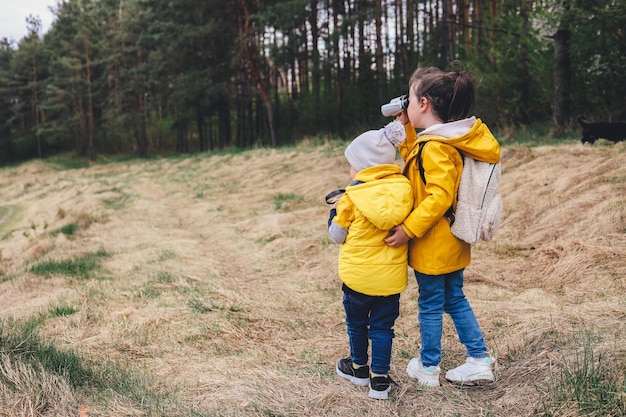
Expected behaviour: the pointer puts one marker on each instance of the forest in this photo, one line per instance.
(153, 77)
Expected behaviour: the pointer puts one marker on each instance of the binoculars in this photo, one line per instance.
(395, 106)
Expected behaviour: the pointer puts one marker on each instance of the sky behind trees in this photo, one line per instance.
(14, 13)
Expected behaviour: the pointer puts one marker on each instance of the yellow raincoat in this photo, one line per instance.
(433, 249)
(370, 210)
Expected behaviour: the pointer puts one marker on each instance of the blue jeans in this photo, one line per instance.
(440, 294)
(371, 317)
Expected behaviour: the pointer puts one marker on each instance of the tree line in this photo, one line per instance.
(149, 77)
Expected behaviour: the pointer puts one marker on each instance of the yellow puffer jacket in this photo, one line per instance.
(433, 249)
(369, 210)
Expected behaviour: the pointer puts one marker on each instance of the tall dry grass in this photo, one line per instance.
(218, 293)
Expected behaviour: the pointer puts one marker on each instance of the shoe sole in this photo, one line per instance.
(379, 395)
(362, 382)
(473, 383)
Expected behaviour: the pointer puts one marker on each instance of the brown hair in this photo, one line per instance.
(450, 93)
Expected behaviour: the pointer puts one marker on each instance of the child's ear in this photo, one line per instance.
(424, 104)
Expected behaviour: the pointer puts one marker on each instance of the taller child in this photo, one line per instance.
(439, 103)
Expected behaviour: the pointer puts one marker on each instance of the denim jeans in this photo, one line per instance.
(440, 294)
(371, 317)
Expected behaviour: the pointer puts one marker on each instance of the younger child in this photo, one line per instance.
(373, 273)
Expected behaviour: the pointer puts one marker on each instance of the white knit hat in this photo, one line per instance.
(375, 147)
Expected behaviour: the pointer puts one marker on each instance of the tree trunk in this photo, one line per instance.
(523, 72)
(141, 135)
(562, 77)
(465, 21)
(180, 126)
(337, 11)
(35, 104)
(408, 50)
(380, 59)
(315, 70)
(255, 72)
(493, 10)
(364, 65)
(202, 141)
(444, 34)
(79, 111)
(478, 21)
(223, 123)
(91, 151)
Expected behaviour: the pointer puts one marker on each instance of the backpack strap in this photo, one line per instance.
(419, 161)
(450, 212)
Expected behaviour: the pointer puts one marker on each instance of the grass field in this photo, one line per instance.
(206, 285)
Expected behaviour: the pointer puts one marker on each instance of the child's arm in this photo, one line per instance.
(337, 233)
(411, 137)
(339, 220)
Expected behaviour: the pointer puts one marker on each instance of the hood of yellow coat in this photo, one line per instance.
(470, 136)
(385, 196)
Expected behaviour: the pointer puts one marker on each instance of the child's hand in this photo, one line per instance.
(402, 117)
(397, 237)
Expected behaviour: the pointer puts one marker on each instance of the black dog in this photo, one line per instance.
(614, 132)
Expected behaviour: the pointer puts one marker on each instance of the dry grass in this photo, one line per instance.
(25, 390)
(220, 288)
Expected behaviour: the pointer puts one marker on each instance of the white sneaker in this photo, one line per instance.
(427, 376)
(473, 372)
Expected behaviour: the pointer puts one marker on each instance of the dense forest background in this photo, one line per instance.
(148, 77)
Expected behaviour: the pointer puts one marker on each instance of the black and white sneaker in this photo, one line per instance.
(380, 387)
(358, 376)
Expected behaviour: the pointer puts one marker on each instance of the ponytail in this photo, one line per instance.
(451, 94)
(462, 96)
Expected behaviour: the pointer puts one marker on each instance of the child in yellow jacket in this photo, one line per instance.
(373, 273)
(439, 103)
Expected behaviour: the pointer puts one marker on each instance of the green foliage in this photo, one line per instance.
(148, 292)
(598, 48)
(67, 230)
(116, 203)
(20, 343)
(199, 306)
(202, 307)
(66, 161)
(81, 267)
(513, 68)
(533, 135)
(280, 200)
(144, 77)
(595, 383)
(20, 340)
(61, 310)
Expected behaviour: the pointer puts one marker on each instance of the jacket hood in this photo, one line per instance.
(470, 136)
(385, 203)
